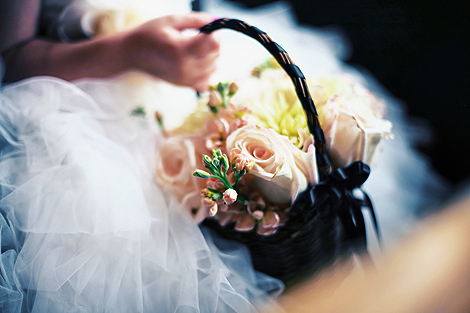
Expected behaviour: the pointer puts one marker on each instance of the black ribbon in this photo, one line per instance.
(340, 192)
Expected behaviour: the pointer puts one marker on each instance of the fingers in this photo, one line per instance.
(170, 54)
(201, 72)
(193, 20)
(203, 44)
(202, 83)
(204, 50)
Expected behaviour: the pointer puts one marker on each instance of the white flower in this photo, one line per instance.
(352, 119)
(280, 169)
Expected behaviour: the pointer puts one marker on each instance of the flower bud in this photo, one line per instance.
(158, 117)
(213, 209)
(240, 161)
(221, 86)
(209, 164)
(249, 165)
(206, 160)
(210, 204)
(225, 162)
(233, 153)
(217, 153)
(215, 99)
(257, 215)
(216, 162)
(233, 89)
(200, 173)
(205, 193)
(207, 202)
(230, 196)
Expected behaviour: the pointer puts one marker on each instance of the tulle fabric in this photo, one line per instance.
(85, 229)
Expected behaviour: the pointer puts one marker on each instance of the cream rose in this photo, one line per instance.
(280, 169)
(175, 164)
(352, 119)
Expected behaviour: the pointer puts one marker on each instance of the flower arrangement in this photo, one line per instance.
(245, 154)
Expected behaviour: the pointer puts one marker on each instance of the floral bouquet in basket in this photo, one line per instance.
(245, 154)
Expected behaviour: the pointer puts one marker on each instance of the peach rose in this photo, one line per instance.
(280, 169)
(175, 164)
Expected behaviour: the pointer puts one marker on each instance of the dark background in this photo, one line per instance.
(420, 51)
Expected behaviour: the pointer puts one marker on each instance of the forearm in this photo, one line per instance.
(158, 48)
(98, 58)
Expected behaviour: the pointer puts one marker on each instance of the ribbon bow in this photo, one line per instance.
(340, 194)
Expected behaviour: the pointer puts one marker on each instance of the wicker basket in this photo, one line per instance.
(325, 222)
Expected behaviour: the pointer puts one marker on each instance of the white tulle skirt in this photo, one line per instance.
(84, 228)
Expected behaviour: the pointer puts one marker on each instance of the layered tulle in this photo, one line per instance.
(85, 228)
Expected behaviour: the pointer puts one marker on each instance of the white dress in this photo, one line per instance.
(84, 227)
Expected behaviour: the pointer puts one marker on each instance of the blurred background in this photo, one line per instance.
(420, 52)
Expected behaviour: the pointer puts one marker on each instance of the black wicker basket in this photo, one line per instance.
(325, 222)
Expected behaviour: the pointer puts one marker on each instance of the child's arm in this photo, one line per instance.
(158, 48)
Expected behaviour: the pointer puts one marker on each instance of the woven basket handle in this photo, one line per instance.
(294, 72)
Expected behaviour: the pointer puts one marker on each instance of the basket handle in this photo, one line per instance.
(298, 79)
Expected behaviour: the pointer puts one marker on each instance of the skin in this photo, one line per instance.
(426, 272)
(158, 47)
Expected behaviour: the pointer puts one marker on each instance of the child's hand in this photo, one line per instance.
(160, 48)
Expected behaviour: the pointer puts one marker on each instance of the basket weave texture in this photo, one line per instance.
(325, 222)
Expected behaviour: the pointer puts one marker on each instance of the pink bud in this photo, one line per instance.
(210, 204)
(158, 116)
(230, 196)
(207, 202)
(241, 161)
(245, 164)
(215, 99)
(233, 88)
(233, 153)
(258, 215)
(205, 192)
(213, 209)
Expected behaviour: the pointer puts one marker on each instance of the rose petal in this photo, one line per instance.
(257, 215)
(281, 171)
(175, 164)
